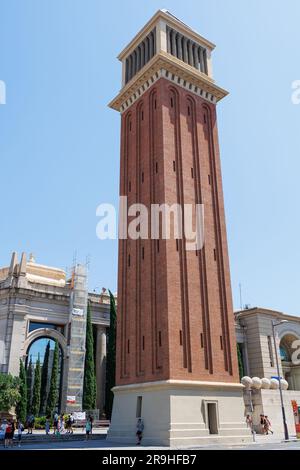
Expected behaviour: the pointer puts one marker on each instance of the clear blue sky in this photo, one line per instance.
(59, 142)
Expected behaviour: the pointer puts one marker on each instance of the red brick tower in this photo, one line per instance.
(176, 347)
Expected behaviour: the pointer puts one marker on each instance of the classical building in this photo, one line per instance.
(176, 348)
(255, 340)
(38, 301)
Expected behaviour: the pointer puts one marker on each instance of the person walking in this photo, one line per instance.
(30, 423)
(55, 422)
(47, 425)
(88, 429)
(139, 431)
(4, 427)
(9, 434)
(20, 429)
(262, 424)
(62, 424)
(70, 422)
(91, 419)
(268, 425)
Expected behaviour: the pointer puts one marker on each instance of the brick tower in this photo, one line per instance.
(176, 348)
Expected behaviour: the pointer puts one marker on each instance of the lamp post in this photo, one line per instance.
(286, 433)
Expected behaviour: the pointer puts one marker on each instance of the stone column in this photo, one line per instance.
(101, 366)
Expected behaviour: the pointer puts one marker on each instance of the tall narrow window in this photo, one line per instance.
(174, 165)
(201, 340)
(156, 167)
(143, 253)
(142, 177)
(159, 338)
(221, 342)
(129, 260)
(128, 346)
(177, 244)
(143, 342)
(192, 172)
(157, 245)
(180, 337)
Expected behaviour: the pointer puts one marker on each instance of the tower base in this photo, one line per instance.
(179, 413)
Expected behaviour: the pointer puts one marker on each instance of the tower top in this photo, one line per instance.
(167, 47)
(159, 18)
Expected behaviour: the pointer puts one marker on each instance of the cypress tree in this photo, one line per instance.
(29, 377)
(36, 394)
(53, 391)
(22, 403)
(89, 384)
(44, 379)
(111, 358)
(240, 361)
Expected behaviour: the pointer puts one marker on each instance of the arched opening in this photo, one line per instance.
(42, 349)
(291, 372)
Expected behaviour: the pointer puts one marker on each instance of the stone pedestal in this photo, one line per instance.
(179, 413)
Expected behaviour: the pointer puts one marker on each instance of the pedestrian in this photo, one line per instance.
(139, 431)
(55, 422)
(262, 424)
(30, 423)
(92, 422)
(88, 429)
(70, 422)
(62, 424)
(249, 422)
(9, 434)
(4, 427)
(47, 425)
(2, 430)
(20, 429)
(268, 425)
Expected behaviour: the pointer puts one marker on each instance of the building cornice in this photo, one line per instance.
(154, 69)
(179, 384)
(265, 311)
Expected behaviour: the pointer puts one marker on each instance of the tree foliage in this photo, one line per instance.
(89, 384)
(53, 390)
(22, 403)
(111, 358)
(29, 378)
(240, 361)
(36, 393)
(9, 392)
(44, 379)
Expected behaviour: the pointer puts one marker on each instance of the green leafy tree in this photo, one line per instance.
(22, 403)
(36, 393)
(9, 392)
(44, 379)
(29, 378)
(111, 358)
(89, 384)
(53, 391)
(240, 361)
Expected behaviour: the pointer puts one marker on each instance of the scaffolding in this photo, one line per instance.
(76, 338)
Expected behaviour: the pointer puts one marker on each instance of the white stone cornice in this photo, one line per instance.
(179, 384)
(167, 66)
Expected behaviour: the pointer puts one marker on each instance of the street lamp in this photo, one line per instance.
(286, 433)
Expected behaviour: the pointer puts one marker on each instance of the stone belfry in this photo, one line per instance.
(176, 348)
